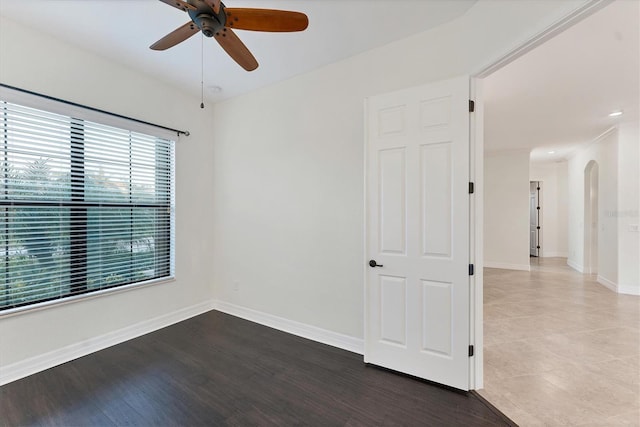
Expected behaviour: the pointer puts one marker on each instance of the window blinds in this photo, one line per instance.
(84, 206)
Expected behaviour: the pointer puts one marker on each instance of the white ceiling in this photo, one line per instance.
(552, 99)
(559, 95)
(123, 30)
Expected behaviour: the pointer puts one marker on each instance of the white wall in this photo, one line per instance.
(275, 201)
(506, 209)
(628, 207)
(31, 60)
(288, 164)
(618, 158)
(554, 203)
(563, 209)
(604, 152)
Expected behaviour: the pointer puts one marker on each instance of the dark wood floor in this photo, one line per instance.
(216, 369)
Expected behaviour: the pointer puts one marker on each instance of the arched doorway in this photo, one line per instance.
(591, 218)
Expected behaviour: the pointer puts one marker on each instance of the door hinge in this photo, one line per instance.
(470, 269)
(472, 106)
(471, 188)
(470, 350)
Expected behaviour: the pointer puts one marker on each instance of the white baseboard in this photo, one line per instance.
(579, 268)
(615, 287)
(507, 266)
(629, 290)
(607, 283)
(554, 254)
(53, 358)
(335, 339)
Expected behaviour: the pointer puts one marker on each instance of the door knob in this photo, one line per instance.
(373, 263)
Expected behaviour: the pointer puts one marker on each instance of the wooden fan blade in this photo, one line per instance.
(214, 4)
(176, 36)
(236, 49)
(266, 20)
(179, 4)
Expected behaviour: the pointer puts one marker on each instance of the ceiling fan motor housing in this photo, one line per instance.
(206, 19)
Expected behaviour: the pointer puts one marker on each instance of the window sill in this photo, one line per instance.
(83, 297)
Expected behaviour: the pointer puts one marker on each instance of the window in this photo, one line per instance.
(84, 206)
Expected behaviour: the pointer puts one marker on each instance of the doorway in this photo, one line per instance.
(591, 218)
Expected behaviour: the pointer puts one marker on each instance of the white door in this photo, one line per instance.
(533, 218)
(417, 297)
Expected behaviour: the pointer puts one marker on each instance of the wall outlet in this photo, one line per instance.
(635, 228)
(236, 285)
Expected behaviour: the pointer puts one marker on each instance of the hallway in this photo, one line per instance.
(560, 349)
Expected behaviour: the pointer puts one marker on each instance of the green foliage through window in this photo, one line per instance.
(83, 206)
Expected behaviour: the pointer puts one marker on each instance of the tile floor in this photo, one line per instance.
(560, 349)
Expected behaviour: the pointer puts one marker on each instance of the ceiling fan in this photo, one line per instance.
(217, 21)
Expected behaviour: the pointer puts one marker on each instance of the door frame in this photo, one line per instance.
(476, 174)
(476, 234)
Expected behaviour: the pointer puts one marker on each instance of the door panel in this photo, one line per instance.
(393, 315)
(436, 199)
(392, 201)
(417, 302)
(437, 312)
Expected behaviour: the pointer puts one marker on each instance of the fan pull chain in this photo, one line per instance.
(202, 71)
